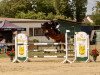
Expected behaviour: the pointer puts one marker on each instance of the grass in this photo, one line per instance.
(3, 55)
(31, 53)
(41, 53)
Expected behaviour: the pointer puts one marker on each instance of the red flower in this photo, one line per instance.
(11, 53)
(94, 52)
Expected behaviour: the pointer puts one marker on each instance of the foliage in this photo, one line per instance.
(11, 53)
(79, 7)
(31, 15)
(43, 9)
(94, 52)
(57, 6)
(41, 15)
(50, 16)
(96, 19)
(66, 8)
(20, 15)
(35, 40)
(60, 17)
(96, 14)
(11, 7)
(45, 6)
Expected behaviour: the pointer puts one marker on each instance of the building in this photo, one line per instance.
(35, 33)
(33, 28)
(88, 20)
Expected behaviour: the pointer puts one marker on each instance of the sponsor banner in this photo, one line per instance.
(21, 47)
(81, 44)
(22, 39)
(22, 51)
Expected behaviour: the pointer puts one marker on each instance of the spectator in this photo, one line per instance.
(2, 44)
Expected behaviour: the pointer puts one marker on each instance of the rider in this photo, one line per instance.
(55, 27)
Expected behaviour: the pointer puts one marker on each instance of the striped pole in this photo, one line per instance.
(47, 43)
(49, 56)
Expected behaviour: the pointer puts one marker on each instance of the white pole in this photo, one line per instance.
(66, 44)
(27, 59)
(75, 47)
(16, 49)
(88, 44)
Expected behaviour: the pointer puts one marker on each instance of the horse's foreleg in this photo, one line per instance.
(46, 34)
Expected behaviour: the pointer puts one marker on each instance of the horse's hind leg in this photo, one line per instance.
(60, 48)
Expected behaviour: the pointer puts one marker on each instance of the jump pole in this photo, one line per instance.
(66, 47)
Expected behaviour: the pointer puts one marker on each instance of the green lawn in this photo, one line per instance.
(3, 55)
(32, 54)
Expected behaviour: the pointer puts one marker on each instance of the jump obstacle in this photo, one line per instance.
(81, 47)
(23, 52)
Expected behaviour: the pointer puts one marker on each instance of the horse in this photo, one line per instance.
(51, 30)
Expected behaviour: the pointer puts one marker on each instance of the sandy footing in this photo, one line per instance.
(48, 66)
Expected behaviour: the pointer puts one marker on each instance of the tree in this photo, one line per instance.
(96, 14)
(30, 8)
(67, 9)
(57, 6)
(9, 8)
(45, 6)
(72, 8)
(79, 7)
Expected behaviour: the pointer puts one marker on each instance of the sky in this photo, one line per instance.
(91, 4)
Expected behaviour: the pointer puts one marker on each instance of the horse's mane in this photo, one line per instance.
(51, 31)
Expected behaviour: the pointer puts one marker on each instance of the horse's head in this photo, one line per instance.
(46, 27)
(52, 25)
(50, 28)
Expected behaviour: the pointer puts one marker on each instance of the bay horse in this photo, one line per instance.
(51, 30)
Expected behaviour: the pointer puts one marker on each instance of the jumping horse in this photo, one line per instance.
(51, 30)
